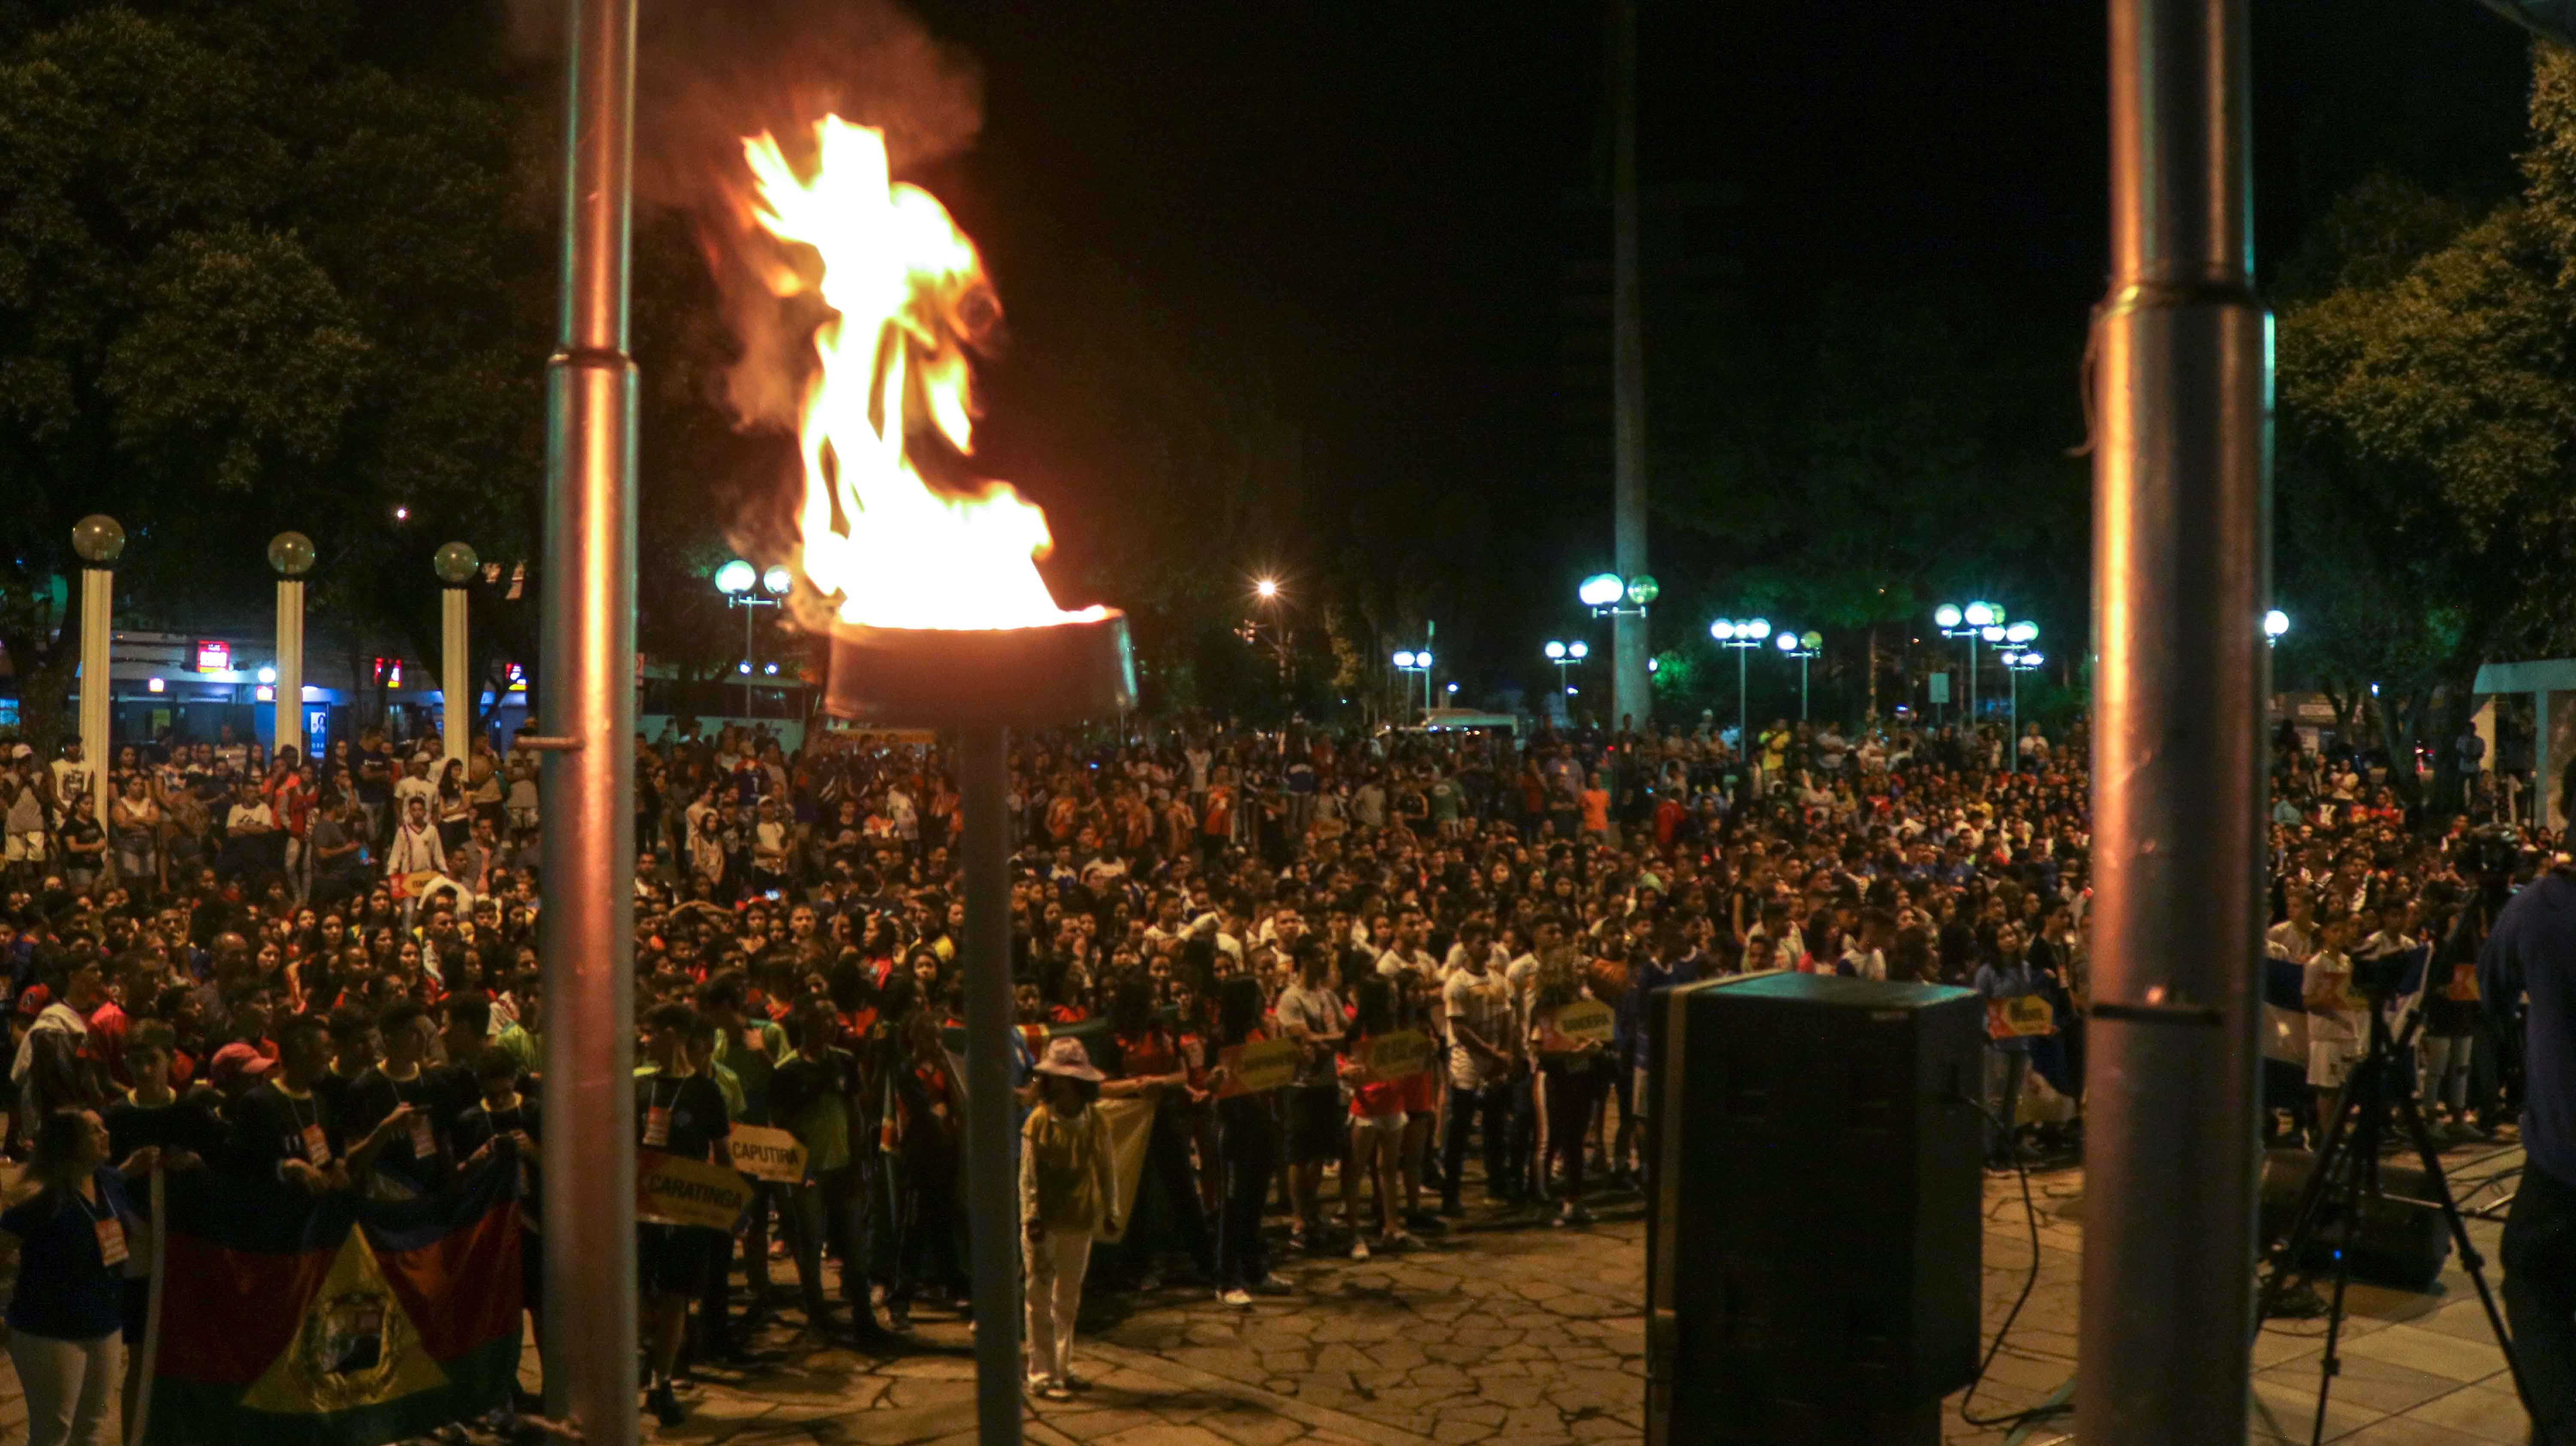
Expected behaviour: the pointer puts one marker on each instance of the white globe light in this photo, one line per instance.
(1991, 633)
(1404, 660)
(268, 675)
(743, 668)
(776, 581)
(2012, 660)
(1758, 629)
(1721, 630)
(1579, 651)
(1453, 687)
(1654, 665)
(2276, 623)
(1601, 590)
(1786, 641)
(1422, 661)
(2021, 632)
(1982, 614)
(770, 668)
(2032, 660)
(1556, 651)
(735, 578)
(1946, 615)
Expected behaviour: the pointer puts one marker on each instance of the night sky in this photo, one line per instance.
(1382, 206)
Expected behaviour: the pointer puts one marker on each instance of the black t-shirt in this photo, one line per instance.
(270, 1126)
(480, 1124)
(372, 1096)
(694, 1118)
(187, 1122)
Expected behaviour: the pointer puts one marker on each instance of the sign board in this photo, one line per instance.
(1940, 687)
(1252, 1068)
(1396, 1056)
(672, 1191)
(212, 655)
(764, 1153)
(1586, 1021)
(2020, 1016)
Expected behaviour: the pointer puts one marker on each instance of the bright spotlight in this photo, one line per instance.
(1983, 614)
(1404, 660)
(1578, 651)
(1787, 642)
(1946, 615)
(735, 578)
(1601, 590)
(1556, 652)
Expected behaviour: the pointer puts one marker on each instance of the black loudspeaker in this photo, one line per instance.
(1815, 1232)
(2402, 1240)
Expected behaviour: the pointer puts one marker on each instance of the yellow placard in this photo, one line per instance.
(765, 1153)
(1253, 1068)
(1585, 1022)
(1398, 1055)
(2020, 1016)
(670, 1190)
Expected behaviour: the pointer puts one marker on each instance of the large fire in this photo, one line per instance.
(897, 275)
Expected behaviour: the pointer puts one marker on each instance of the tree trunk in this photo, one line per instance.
(2399, 726)
(45, 688)
(2449, 787)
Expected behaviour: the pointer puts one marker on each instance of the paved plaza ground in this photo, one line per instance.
(1509, 1333)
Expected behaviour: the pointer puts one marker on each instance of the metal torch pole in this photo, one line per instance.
(290, 671)
(992, 1186)
(2181, 556)
(587, 929)
(455, 678)
(98, 604)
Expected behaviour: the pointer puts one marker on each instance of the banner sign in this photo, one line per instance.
(670, 1190)
(1587, 1021)
(1131, 1130)
(764, 1153)
(1396, 1056)
(1253, 1068)
(2021, 1016)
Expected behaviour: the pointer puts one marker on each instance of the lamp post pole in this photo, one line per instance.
(291, 555)
(99, 540)
(587, 929)
(455, 565)
(2181, 481)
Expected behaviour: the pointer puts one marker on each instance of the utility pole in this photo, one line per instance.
(1632, 698)
(2181, 576)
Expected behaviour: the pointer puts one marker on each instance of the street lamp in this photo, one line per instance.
(1412, 662)
(2017, 661)
(2276, 626)
(1265, 596)
(1743, 635)
(1801, 646)
(742, 586)
(1977, 621)
(1566, 655)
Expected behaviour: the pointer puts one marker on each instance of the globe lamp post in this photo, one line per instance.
(751, 589)
(455, 565)
(1743, 635)
(1801, 646)
(99, 540)
(291, 555)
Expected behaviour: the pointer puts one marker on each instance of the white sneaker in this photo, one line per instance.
(1359, 1249)
(1236, 1296)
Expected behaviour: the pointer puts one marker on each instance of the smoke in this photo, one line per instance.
(709, 73)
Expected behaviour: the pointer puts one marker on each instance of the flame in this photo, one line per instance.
(902, 283)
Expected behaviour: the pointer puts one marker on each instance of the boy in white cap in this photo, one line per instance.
(1068, 1194)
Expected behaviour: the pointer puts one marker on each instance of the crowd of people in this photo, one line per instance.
(326, 971)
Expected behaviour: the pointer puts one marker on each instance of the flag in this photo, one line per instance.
(296, 1320)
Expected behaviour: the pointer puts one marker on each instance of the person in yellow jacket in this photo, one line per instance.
(1068, 1195)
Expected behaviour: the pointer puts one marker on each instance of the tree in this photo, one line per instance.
(2428, 394)
(248, 282)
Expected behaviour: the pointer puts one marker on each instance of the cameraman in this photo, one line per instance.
(2532, 949)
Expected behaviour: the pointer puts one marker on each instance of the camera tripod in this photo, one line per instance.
(2379, 1085)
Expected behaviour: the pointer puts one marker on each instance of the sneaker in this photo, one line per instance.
(1271, 1285)
(1235, 1296)
(1359, 1248)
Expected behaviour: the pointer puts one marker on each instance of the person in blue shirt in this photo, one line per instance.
(2006, 974)
(2532, 953)
(66, 1316)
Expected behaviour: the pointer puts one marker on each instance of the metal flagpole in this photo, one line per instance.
(992, 1187)
(2181, 556)
(587, 929)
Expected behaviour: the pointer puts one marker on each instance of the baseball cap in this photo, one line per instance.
(33, 1002)
(235, 1060)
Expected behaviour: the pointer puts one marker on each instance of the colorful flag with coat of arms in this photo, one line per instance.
(296, 1320)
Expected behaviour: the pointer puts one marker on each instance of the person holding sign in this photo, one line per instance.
(678, 1111)
(1248, 1151)
(2337, 1016)
(1570, 1036)
(1377, 1116)
(67, 1232)
(2006, 980)
(1068, 1195)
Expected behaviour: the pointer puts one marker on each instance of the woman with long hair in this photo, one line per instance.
(454, 807)
(66, 1316)
(1571, 1071)
(1248, 1144)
